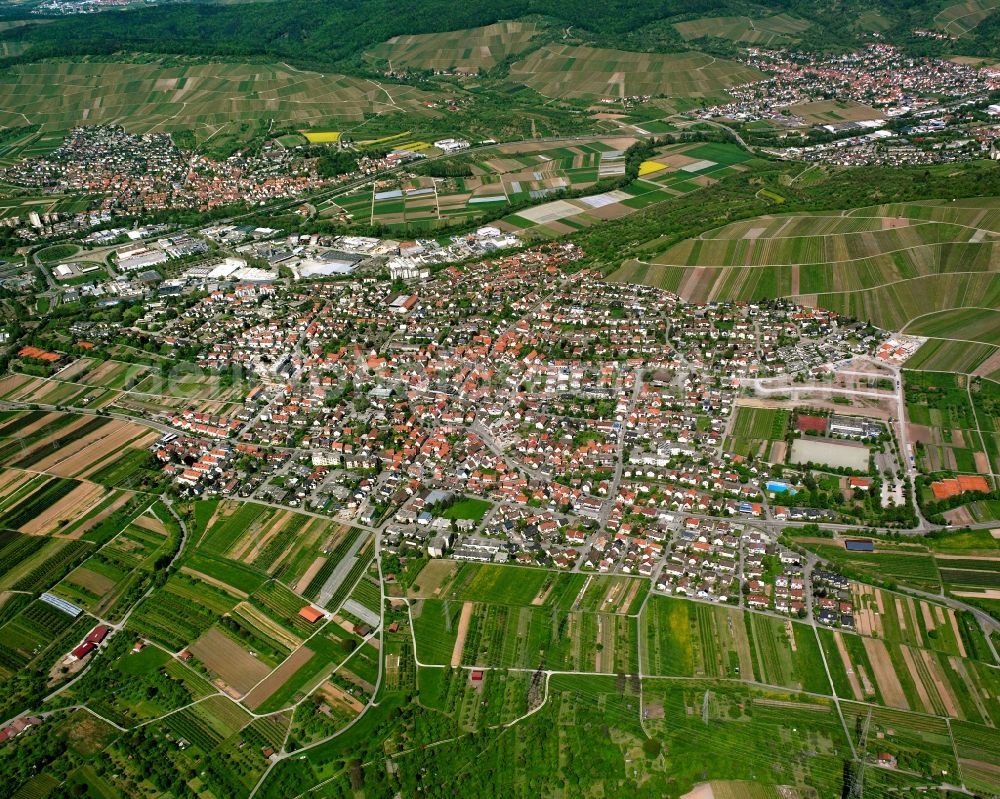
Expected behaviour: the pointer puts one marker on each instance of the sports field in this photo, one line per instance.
(462, 51)
(213, 100)
(594, 73)
(899, 266)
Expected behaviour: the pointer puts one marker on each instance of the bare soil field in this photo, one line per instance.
(986, 593)
(254, 542)
(885, 675)
(235, 667)
(151, 523)
(852, 678)
(542, 595)
(82, 499)
(11, 384)
(925, 611)
(85, 454)
(463, 630)
(70, 371)
(11, 480)
(264, 689)
(31, 428)
(97, 518)
(954, 630)
(338, 697)
(107, 453)
(96, 583)
(941, 684)
(434, 578)
(309, 573)
(911, 666)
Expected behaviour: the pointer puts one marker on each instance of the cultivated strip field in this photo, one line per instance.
(959, 18)
(766, 31)
(461, 51)
(901, 266)
(594, 73)
(206, 98)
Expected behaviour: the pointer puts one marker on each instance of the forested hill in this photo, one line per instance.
(317, 33)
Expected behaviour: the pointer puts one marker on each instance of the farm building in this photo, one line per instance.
(98, 634)
(82, 650)
(311, 614)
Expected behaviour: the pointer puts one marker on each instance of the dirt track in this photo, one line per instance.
(463, 629)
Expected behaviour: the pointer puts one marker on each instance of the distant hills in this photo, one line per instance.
(336, 33)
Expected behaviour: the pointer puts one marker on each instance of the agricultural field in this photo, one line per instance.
(506, 636)
(945, 422)
(909, 566)
(907, 677)
(919, 743)
(593, 73)
(974, 324)
(914, 622)
(132, 687)
(971, 576)
(780, 29)
(109, 580)
(959, 18)
(689, 639)
(512, 585)
(236, 539)
(82, 447)
(900, 266)
(219, 100)
(502, 696)
(510, 174)
(754, 431)
(752, 727)
(463, 51)
(978, 749)
(673, 171)
(962, 357)
(823, 112)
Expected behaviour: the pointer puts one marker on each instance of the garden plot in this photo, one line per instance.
(505, 636)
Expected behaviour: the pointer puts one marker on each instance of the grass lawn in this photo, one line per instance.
(473, 509)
